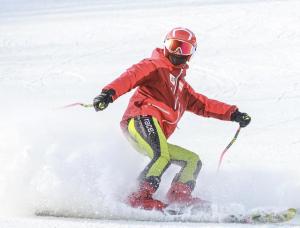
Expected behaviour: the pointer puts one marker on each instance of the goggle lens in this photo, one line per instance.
(179, 47)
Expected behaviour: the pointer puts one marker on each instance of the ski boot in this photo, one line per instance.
(143, 198)
(180, 194)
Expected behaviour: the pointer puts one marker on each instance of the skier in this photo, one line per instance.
(161, 98)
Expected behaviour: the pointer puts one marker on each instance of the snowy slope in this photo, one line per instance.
(77, 161)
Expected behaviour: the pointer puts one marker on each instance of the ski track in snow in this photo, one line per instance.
(76, 161)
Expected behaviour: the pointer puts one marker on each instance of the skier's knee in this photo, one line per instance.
(197, 163)
(166, 157)
(195, 159)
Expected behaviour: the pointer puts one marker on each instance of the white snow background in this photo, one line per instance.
(53, 53)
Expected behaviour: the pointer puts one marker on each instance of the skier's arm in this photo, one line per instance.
(201, 105)
(131, 78)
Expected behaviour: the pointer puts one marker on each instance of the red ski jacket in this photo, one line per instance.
(164, 94)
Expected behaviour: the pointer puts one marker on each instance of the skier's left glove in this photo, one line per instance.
(242, 118)
(102, 101)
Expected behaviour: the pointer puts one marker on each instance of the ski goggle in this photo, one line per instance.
(179, 47)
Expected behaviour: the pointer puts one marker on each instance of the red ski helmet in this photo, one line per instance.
(180, 42)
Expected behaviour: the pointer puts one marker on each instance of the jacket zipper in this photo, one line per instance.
(176, 81)
(176, 101)
(160, 108)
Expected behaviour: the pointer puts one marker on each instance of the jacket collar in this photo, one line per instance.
(158, 53)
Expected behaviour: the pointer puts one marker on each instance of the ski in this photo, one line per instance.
(188, 215)
(222, 214)
(263, 217)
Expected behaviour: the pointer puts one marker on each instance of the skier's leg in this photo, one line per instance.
(148, 137)
(190, 164)
(184, 182)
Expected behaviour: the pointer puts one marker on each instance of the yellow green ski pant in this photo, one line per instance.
(148, 138)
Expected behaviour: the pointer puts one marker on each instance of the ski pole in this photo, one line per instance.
(77, 104)
(228, 146)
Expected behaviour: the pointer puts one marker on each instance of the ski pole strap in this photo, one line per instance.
(228, 146)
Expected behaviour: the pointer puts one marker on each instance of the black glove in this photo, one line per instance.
(102, 101)
(242, 118)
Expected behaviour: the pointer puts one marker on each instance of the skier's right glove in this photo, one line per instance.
(102, 101)
(242, 118)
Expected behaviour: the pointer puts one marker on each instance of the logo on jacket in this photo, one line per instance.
(172, 79)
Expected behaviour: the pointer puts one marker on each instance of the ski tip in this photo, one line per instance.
(292, 211)
(290, 214)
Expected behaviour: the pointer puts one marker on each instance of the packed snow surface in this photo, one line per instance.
(76, 161)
